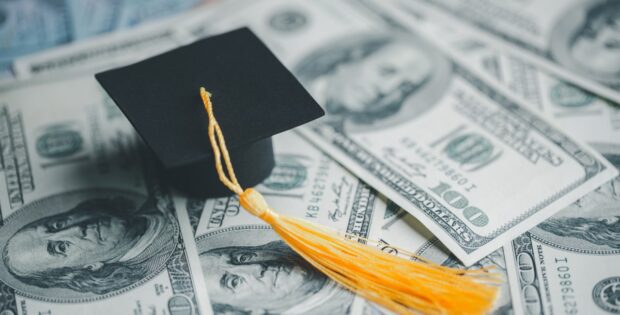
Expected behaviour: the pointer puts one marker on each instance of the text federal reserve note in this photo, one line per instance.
(248, 269)
(86, 222)
(578, 40)
(457, 152)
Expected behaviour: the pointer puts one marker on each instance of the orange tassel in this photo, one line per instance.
(402, 286)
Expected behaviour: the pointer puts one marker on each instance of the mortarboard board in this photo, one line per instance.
(257, 98)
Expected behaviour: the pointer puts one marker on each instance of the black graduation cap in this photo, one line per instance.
(254, 97)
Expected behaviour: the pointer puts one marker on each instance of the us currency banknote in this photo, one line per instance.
(92, 17)
(456, 151)
(100, 53)
(248, 269)
(579, 112)
(569, 263)
(578, 40)
(47, 27)
(86, 224)
(402, 235)
(29, 26)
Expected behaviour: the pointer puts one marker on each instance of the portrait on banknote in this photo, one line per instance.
(85, 244)
(375, 80)
(591, 225)
(249, 270)
(586, 39)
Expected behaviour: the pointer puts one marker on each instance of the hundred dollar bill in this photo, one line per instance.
(578, 40)
(86, 224)
(248, 269)
(138, 11)
(569, 263)
(459, 153)
(30, 26)
(579, 112)
(101, 53)
(93, 17)
(402, 235)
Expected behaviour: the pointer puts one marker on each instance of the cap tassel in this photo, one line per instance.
(402, 286)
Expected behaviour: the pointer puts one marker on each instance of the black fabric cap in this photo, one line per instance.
(254, 97)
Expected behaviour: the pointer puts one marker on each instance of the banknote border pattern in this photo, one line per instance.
(177, 266)
(233, 228)
(575, 250)
(356, 210)
(523, 245)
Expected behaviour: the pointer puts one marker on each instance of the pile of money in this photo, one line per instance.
(471, 133)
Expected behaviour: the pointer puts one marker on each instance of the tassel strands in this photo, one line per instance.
(400, 285)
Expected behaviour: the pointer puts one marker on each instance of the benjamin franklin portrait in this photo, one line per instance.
(248, 270)
(586, 39)
(375, 80)
(89, 243)
(592, 223)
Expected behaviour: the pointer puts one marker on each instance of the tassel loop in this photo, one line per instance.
(219, 147)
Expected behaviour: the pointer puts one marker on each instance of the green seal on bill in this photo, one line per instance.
(570, 96)
(289, 173)
(606, 294)
(59, 141)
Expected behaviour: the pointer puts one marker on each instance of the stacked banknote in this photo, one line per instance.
(470, 133)
(34, 25)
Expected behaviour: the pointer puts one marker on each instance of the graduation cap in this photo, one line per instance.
(256, 97)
